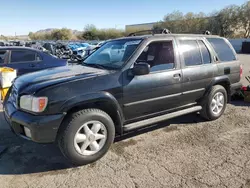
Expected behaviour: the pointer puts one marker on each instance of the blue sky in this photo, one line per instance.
(22, 16)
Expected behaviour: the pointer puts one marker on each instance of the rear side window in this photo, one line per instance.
(223, 50)
(206, 58)
(191, 52)
(22, 56)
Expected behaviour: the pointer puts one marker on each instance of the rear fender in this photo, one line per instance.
(218, 81)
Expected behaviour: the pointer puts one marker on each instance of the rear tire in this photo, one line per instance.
(215, 104)
(86, 136)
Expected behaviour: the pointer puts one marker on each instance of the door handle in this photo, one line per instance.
(177, 76)
(32, 65)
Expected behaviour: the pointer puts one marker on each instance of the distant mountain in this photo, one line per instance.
(45, 30)
(48, 30)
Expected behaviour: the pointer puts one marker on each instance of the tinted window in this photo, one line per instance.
(2, 56)
(22, 56)
(191, 52)
(159, 55)
(204, 52)
(224, 52)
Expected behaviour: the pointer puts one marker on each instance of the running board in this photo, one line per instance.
(157, 119)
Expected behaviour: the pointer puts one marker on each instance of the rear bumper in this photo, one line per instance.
(43, 129)
(235, 87)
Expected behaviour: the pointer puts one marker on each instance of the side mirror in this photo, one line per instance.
(141, 69)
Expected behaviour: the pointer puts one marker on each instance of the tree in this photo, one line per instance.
(61, 34)
(2, 37)
(174, 16)
(177, 22)
(90, 32)
(244, 18)
(228, 21)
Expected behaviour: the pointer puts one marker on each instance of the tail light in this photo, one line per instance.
(241, 71)
(244, 88)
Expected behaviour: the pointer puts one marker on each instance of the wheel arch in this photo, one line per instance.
(224, 81)
(102, 100)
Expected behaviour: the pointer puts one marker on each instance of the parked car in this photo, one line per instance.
(92, 48)
(80, 52)
(26, 60)
(2, 43)
(157, 77)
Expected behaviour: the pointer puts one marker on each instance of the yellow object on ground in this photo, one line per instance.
(7, 75)
(3, 93)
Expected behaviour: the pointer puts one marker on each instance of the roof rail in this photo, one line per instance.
(160, 31)
(152, 31)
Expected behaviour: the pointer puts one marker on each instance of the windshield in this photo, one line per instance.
(113, 54)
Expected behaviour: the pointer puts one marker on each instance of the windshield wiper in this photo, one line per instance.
(94, 65)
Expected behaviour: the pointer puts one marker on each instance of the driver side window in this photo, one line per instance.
(159, 55)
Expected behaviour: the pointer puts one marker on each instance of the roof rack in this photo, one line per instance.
(152, 31)
(160, 31)
(207, 32)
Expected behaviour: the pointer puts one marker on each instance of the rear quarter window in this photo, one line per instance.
(223, 50)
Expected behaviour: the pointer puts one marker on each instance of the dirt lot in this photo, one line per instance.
(184, 152)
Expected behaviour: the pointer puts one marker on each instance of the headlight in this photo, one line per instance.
(33, 104)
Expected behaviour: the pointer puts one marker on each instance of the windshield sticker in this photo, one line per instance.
(133, 42)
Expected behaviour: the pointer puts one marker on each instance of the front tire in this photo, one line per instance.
(86, 136)
(215, 104)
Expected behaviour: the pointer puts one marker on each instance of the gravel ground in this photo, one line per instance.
(183, 152)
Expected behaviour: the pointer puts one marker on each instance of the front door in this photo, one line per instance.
(158, 91)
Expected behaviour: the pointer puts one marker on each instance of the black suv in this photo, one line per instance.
(126, 84)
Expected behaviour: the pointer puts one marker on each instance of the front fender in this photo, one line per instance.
(92, 98)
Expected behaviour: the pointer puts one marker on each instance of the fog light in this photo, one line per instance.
(27, 132)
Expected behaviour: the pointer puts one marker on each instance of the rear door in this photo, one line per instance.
(198, 68)
(24, 61)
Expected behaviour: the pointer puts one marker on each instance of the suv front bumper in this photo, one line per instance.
(42, 129)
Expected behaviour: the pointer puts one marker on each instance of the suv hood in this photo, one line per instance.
(56, 75)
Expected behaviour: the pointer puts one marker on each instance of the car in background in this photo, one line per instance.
(26, 60)
(89, 50)
(2, 43)
(79, 51)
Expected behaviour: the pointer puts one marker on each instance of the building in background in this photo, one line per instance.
(143, 26)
